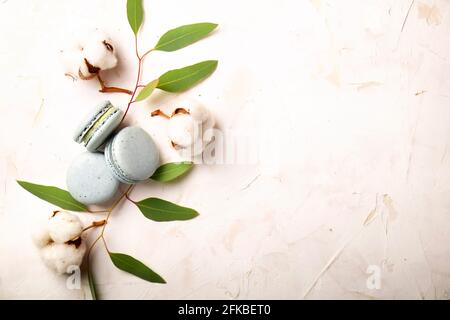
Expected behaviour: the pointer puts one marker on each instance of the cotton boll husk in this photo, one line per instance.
(60, 256)
(40, 234)
(74, 63)
(99, 51)
(183, 130)
(64, 226)
(84, 70)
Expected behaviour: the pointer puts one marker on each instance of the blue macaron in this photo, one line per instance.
(89, 180)
(98, 126)
(132, 155)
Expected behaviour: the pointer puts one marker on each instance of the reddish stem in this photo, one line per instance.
(143, 56)
(136, 47)
(138, 78)
(129, 199)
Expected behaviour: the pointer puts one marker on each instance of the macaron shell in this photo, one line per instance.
(89, 120)
(90, 181)
(115, 170)
(105, 129)
(98, 125)
(132, 155)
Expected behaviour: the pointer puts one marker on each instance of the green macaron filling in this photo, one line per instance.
(98, 123)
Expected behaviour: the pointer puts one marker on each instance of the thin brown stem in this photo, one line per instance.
(114, 205)
(91, 247)
(95, 224)
(104, 243)
(129, 199)
(136, 47)
(107, 89)
(138, 77)
(145, 54)
(104, 223)
(88, 256)
(97, 211)
(125, 194)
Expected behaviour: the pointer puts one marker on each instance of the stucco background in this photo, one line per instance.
(355, 95)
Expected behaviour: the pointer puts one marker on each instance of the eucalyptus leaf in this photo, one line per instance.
(129, 264)
(178, 80)
(183, 36)
(147, 90)
(54, 195)
(135, 14)
(162, 210)
(170, 171)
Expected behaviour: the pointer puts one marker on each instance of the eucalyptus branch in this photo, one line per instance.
(110, 210)
(138, 77)
(174, 81)
(102, 232)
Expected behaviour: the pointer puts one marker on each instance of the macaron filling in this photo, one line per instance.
(107, 113)
(92, 120)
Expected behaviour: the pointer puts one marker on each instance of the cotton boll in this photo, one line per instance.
(86, 71)
(64, 226)
(198, 111)
(191, 128)
(88, 57)
(75, 65)
(98, 53)
(72, 60)
(208, 129)
(40, 235)
(60, 256)
(195, 149)
(183, 130)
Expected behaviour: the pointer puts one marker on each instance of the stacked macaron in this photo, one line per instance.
(130, 156)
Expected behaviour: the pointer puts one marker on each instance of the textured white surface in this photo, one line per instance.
(359, 106)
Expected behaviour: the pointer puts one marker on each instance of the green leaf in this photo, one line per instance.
(170, 171)
(135, 14)
(54, 195)
(92, 285)
(182, 79)
(183, 36)
(162, 210)
(131, 265)
(147, 91)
